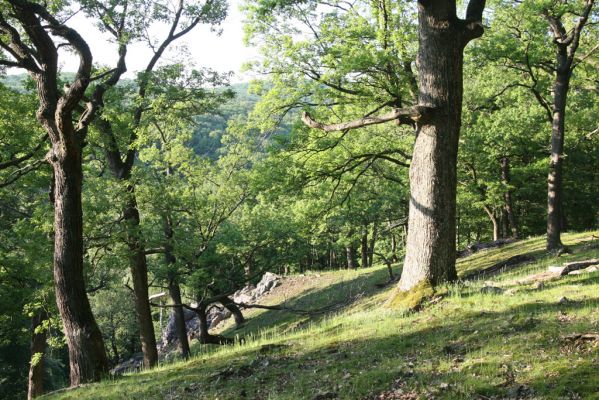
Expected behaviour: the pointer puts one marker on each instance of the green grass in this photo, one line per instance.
(467, 345)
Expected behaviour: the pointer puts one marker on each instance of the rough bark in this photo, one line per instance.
(37, 52)
(430, 249)
(35, 386)
(174, 291)
(554, 179)
(87, 356)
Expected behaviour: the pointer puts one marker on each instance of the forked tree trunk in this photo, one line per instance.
(555, 211)
(87, 355)
(494, 221)
(35, 386)
(139, 273)
(138, 267)
(431, 249)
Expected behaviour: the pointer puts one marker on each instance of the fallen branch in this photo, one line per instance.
(511, 262)
(318, 311)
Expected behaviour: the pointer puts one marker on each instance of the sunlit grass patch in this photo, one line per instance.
(469, 344)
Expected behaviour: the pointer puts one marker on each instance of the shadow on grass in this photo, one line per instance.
(477, 354)
(337, 296)
(472, 355)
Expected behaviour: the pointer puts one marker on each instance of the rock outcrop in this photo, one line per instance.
(216, 312)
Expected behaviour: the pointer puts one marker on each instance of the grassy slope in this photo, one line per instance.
(468, 345)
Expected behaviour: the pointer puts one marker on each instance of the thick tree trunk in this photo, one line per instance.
(87, 355)
(430, 249)
(507, 197)
(38, 347)
(555, 188)
(139, 273)
(364, 250)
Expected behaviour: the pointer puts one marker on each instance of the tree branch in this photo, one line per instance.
(16, 161)
(415, 113)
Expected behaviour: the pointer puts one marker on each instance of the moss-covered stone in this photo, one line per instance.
(411, 300)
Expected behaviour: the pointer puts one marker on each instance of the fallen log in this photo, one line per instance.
(576, 265)
(501, 266)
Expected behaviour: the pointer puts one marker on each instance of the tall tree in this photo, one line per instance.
(543, 44)
(442, 36)
(28, 39)
(128, 21)
(566, 44)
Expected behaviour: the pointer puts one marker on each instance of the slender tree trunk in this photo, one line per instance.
(507, 197)
(137, 258)
(555, 187)
(237, 314)
(373, 239)
(139, 273)
(430, 249)
(115, 349)
(505, 223)
(567, 41)
(394, 248)
(457, 230)
(364, 250)
(38, 348)
(87, 355)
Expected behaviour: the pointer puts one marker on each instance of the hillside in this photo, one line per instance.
(514, 340)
